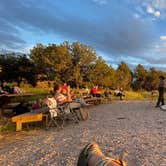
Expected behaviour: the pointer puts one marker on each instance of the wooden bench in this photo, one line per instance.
(6, 99)
(93, 100)
(26, 118)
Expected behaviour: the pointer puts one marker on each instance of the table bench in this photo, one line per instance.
(6, 99)
(93, 100)
(27, 118)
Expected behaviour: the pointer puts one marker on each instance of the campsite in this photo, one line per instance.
(83, 83)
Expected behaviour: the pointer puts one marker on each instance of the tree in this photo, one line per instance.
(100, 73)
(123, 76)
(38, 57)
(83, 57)
(26, 70)
(139, 76)
(53, 61)
(17, 68)
(152, 79)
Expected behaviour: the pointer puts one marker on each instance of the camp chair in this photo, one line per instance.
(52, 105)
(67, 113)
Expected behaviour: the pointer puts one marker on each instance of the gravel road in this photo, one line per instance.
(134, 130)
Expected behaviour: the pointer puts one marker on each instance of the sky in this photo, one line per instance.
(133, 31)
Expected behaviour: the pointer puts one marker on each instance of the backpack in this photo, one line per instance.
(83, 114)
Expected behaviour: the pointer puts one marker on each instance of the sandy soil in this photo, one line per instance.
(135, 130)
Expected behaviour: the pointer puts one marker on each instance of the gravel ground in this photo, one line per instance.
(134, 130)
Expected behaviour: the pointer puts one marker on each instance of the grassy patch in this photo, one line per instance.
(6, 126)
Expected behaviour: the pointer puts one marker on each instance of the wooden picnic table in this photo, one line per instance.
(93, 100)
(5, 99)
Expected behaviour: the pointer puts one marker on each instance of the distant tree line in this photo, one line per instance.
(76, 64)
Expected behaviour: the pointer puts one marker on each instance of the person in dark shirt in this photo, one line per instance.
(5, 88)
(21, 108)
(107, 93)
(161, 88)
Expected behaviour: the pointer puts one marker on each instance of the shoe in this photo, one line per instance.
(83, 157)
(94, 149)
(157, 106)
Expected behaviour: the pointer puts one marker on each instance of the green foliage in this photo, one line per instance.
(140, 75)
(83, 58)
(6, 126)
(74, 63)
(123, 76)
(17, 68)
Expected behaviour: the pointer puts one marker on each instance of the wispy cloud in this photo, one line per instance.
(101, 2)
(163, 37)
(114, 28)
(151, 10)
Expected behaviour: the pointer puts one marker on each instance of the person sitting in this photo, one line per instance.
(91, 155)
(120, 93)
(64, 88)
(21, 108)
(59, 96)
(5, 88)
(61, 99)
(1, 91)
(85, 92)
(95, 92)
(37, 104)
(107, 93)
(16, 89)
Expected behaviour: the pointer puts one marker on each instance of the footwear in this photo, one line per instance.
(93, 149)
(83, 157)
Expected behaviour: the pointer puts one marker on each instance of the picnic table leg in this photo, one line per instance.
(18, 126)
(45, 116)
(46, 120)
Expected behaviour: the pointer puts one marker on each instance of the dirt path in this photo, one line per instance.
(135, 129)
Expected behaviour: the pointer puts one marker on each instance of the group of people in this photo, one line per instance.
(96, 92)
(6, 89)
(61, 95)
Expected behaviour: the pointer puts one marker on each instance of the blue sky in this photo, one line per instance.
(130, 30)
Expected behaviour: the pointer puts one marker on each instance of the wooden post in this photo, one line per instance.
(18, 126)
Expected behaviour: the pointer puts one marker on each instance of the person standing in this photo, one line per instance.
(161, 88)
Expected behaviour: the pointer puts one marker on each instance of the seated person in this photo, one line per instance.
(5, 88)
(119, 93)
(85, 92)
(16, 89)
(107, 93)
(92, 155)
(59, 96)
(21, 108)
(62, 99)
(2, 91)
(37, 104)
(64, 88)
(95, 92)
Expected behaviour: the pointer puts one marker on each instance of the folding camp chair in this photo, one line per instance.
(67, 113)
(52, 105)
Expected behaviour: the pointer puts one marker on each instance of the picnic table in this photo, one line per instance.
(5, 99)
(93, 100)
